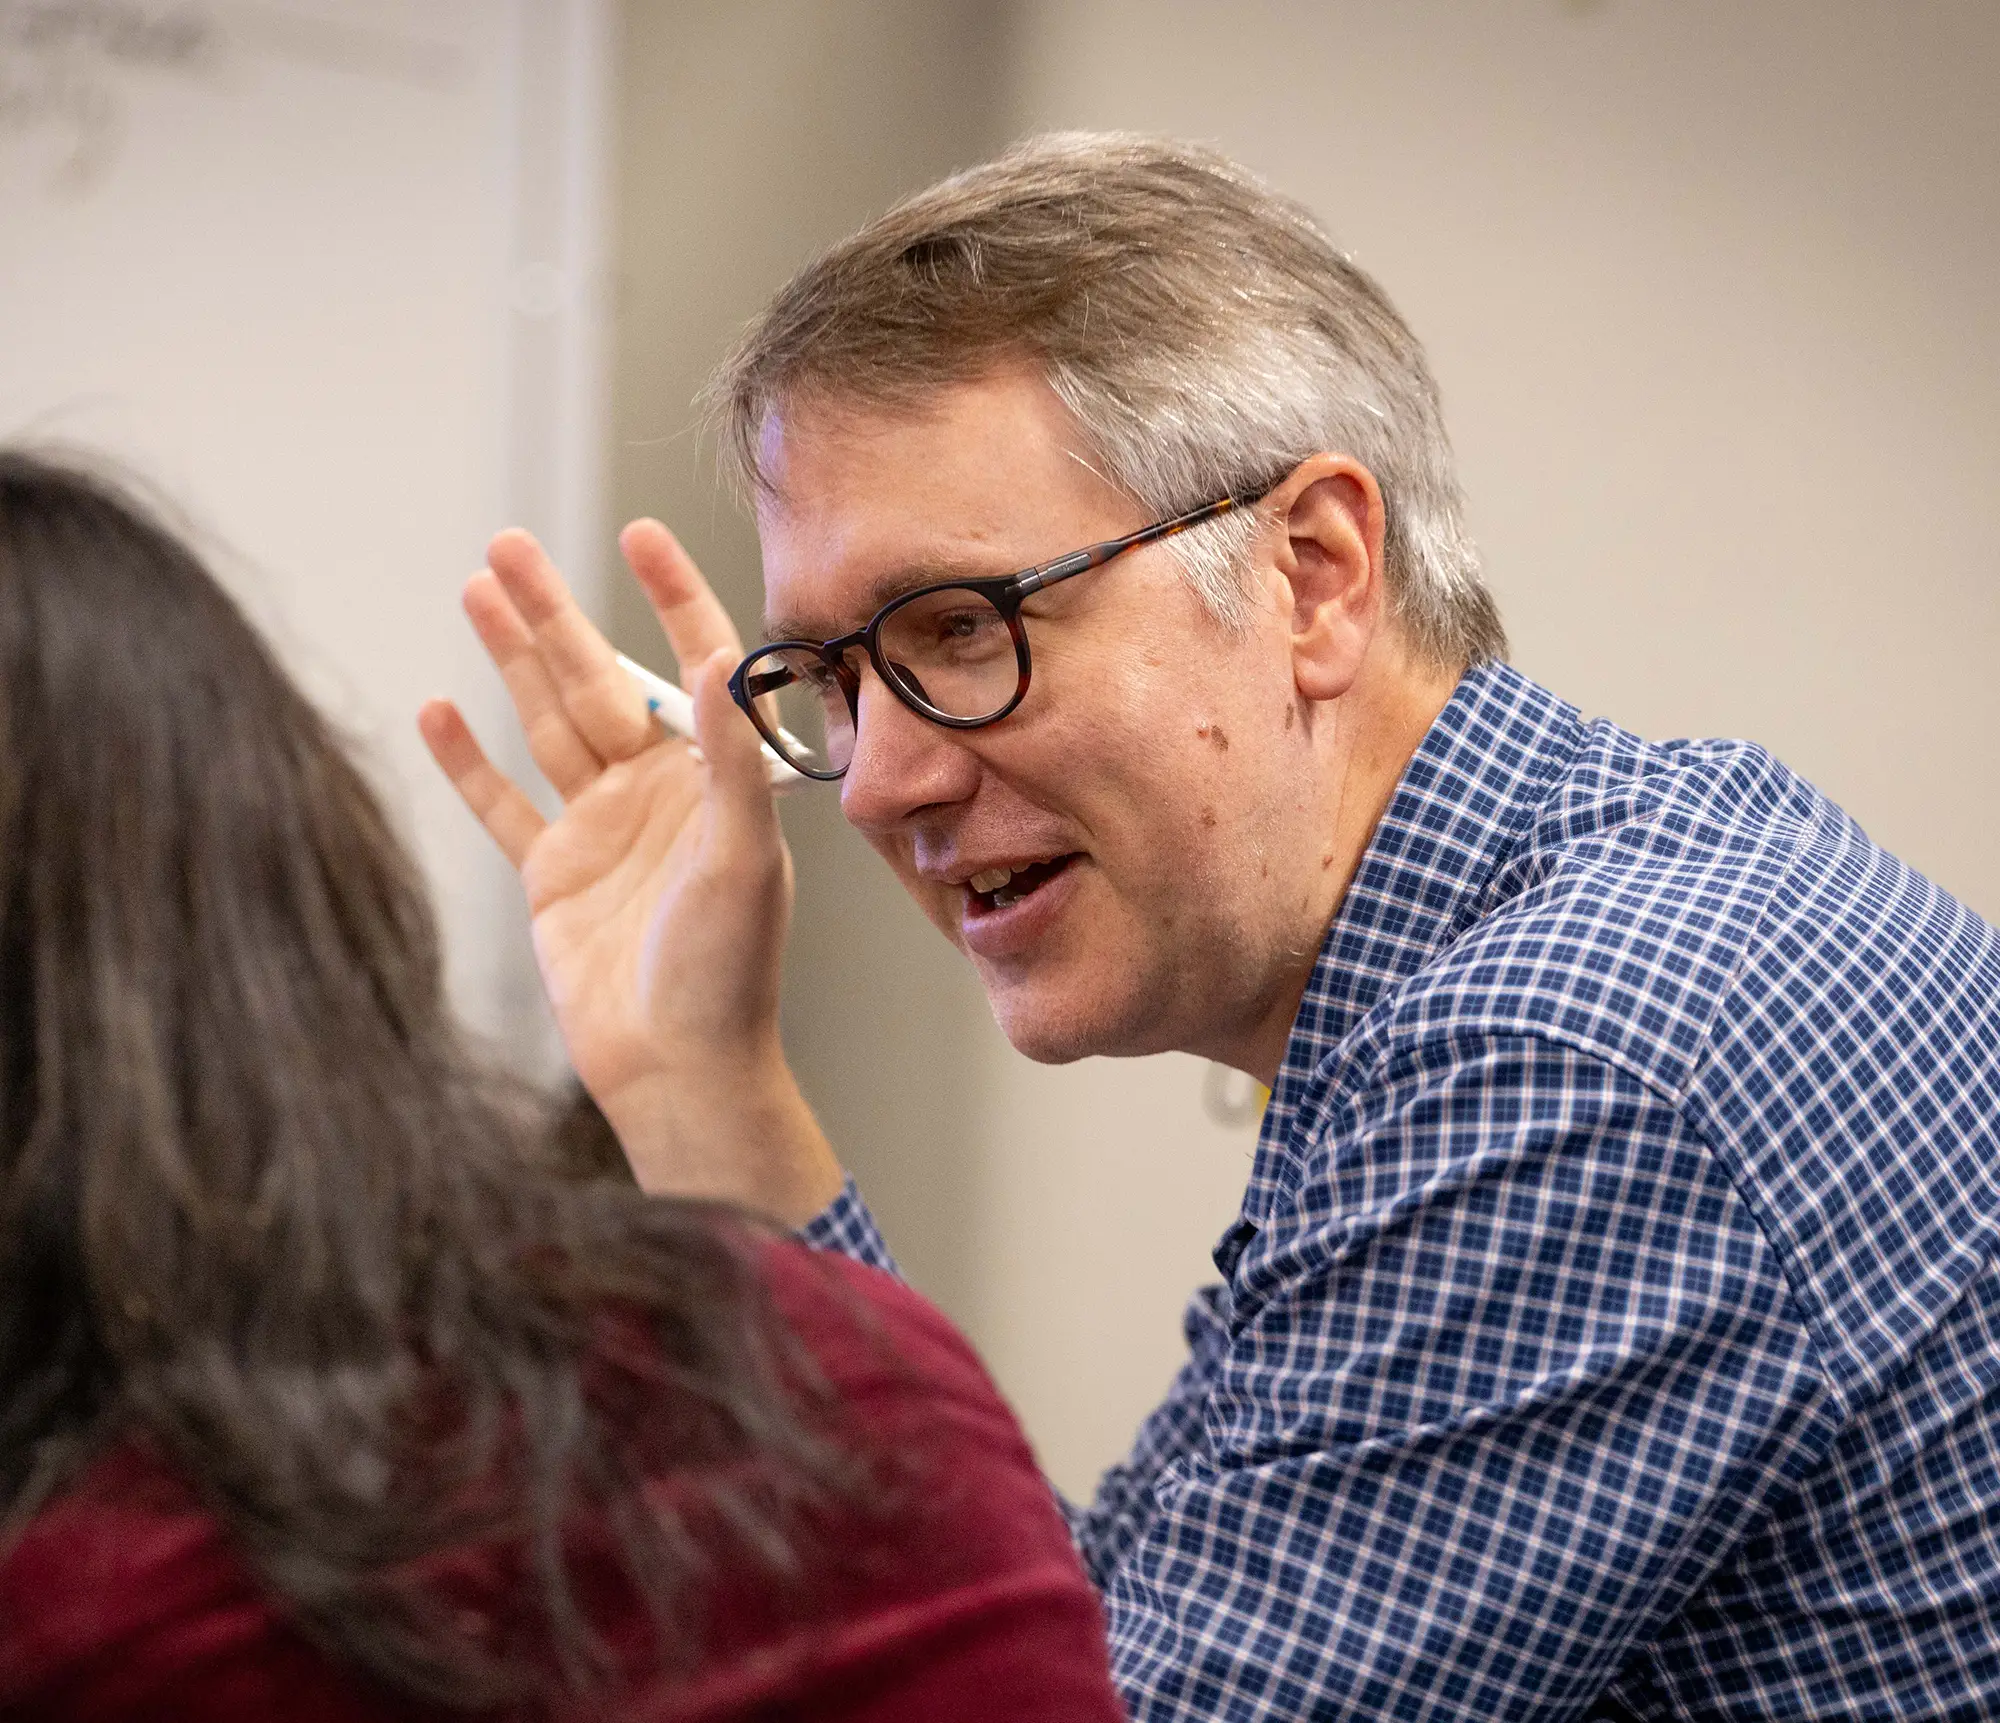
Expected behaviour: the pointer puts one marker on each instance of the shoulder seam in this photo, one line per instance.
(1677, 1105)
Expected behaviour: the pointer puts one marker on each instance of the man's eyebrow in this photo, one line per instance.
(934, 571)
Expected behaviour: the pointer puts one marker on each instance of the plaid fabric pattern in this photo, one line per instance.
(1612, 1327)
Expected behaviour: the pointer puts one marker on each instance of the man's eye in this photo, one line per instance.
(972, 622)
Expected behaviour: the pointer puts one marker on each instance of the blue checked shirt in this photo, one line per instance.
(1612, 1327)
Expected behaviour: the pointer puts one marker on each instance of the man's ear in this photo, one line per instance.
(1329, 513)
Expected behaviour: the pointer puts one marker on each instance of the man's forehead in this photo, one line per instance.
(861, 503)
(816, 452)
(825, 574)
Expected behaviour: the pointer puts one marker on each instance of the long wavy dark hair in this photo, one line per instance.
(264, 1208)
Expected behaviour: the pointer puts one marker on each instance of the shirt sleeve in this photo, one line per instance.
(1510, 1367)
(846, 1226)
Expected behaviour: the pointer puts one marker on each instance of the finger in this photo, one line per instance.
(555, 744)
(495, 800)
(609, 713)
(697, 626)
(745, 810)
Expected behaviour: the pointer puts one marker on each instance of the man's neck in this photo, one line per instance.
(1382, 722)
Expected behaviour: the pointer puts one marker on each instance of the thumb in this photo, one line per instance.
(739, 786)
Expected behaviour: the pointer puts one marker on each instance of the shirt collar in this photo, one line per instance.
(1468, 794)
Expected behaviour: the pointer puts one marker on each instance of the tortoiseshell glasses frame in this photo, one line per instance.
(827, 667)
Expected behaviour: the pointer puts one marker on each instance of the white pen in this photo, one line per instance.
(674, 707)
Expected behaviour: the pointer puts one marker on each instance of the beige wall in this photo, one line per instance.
(1710, 288)
(752, 132)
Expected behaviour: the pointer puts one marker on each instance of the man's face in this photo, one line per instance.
(1151, 805)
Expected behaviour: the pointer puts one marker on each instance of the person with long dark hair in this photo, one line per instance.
(322, 1393)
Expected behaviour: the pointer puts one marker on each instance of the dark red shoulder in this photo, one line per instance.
(123, 1599)
(861, 1323)
(977, 1606)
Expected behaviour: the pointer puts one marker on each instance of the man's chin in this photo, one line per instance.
(1052, 1050)
(1052, 1027)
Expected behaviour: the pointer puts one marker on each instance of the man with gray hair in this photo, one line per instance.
(1612, 1325)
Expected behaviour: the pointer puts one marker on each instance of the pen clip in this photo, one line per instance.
(674, 707)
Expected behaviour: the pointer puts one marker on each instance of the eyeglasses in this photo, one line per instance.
(955, 653)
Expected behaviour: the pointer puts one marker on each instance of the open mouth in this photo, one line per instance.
(998, 887)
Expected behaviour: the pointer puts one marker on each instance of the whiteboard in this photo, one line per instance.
(331, 280)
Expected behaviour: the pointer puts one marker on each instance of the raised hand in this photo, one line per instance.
(661, 895)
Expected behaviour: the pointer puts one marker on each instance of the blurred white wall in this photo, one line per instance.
(329, 277)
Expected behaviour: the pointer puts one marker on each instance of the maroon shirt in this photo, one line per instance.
(125, 1600)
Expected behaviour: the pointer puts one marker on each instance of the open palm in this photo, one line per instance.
(660, 896)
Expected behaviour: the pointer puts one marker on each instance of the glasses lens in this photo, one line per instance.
(801, 708)
(952, 651)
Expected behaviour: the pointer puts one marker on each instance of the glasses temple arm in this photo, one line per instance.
(1094, 556)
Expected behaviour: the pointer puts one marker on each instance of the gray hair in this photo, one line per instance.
(1203, 331)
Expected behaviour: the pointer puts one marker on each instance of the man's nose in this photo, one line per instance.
(902, 762)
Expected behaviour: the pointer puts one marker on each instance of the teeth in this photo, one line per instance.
(991, 880)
